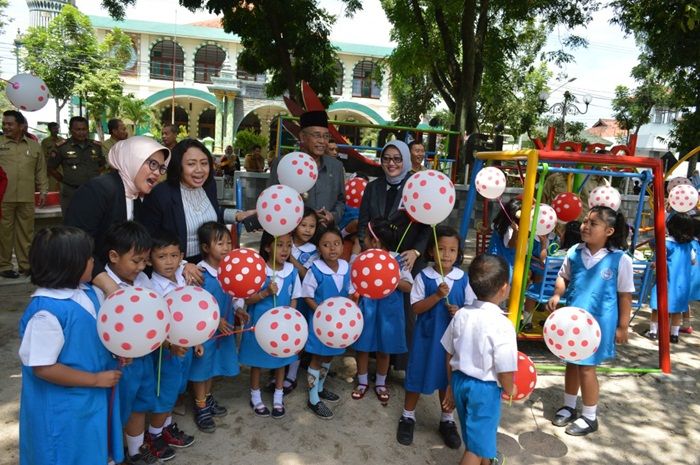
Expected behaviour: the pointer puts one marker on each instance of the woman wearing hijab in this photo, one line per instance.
(116, 197)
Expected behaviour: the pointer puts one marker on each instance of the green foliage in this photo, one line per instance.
(137, 112)
(246, 139)
(4, 20)
(100, 91)
(412, 97)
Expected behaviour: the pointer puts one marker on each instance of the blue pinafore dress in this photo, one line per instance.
(427, 370)
(680, 269)
(695, 274)
(326, 288)
(251, 353)
(595, 290)
(68, 425)
(220, 357)
(385, 325)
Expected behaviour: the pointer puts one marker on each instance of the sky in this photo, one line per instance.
(604, 64)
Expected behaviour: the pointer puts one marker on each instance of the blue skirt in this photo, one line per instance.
(252, 354)
(174, 372)
(385, 325)
(219, 359)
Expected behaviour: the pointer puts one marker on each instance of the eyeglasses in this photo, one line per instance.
(154, 166)
(319, 135)
(394, 160)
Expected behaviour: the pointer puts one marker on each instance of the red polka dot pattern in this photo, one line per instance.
(328, 331)
(27, 92)
(354, 190)
(281, 331)
(490, 182)
(572, 334)
(678, 182)
(568, 206)
(606, 196)
(297, 170)
(429, 197)
(525, 378)
(195, 315)
(683, 198)
(280, 209)
(374, 274)
(133, 320)
(546, 220)
(242, 273)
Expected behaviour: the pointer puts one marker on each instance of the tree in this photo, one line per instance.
(453, 41)
(137, 112)
(412, 98)
(99, 91)
(288, 38)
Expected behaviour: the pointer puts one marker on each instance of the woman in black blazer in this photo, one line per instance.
(115, 197)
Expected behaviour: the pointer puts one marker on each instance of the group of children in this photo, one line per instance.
(463, 346)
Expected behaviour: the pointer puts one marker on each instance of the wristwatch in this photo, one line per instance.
(417, 253)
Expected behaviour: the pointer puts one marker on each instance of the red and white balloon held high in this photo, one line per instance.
(683, 198)
(429, 197)
(490, 182)
(606, 196)
(27, 92)
(282, 331)
(280, 209)
(241, 273)
(195, 316)
(133, 322)
(568, 206)
(354, 190)
(298, 171)
(374, 274)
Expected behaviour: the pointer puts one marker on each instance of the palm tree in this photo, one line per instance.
(136, 112)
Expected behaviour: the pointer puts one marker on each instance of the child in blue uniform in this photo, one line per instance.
(430, 295)
(597, 276)
(482, 353)
(175, 361)
(304, 253)
(66, 371)
(328, 277)
(128, 253)
(282, 288)
(219, 357)
(680, 260)
(385, 322)
(686, 326)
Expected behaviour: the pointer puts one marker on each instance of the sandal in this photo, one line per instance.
(359, 391)
(292, 385)
(260, 409)
(382, 394)
(278, 411)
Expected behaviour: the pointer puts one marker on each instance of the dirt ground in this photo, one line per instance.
(644, 419)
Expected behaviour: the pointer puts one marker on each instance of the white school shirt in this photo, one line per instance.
(418, 290)
(308, 248)
(280, 276)
(140, 281)
(163, 286)
(43, 337)
(309, 285)
(482, 342)
(625, 272)
(237, 303)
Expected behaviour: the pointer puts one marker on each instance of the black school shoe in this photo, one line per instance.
(328, 396)
(450, 435)
(574, 430)
(563, 420)
(404, 433)
(674, 339)
(216, 409)
(320, 410)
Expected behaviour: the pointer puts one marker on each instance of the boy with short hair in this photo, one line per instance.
(481, 360)
(127, 247)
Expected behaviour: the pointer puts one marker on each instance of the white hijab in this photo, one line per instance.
(405, 166)
(128, 155)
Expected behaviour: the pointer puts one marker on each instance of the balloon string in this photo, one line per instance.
(274, 270)
(439, 262)
(160, 360)
(235, 331)
(505, 211)
(403, 236)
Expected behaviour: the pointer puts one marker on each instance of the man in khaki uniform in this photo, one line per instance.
(81, 160)
(254, 161)
(48, 146)
(21, 158)
(117, 131)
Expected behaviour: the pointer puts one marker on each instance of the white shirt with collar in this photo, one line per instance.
(164, 286)
(43, 337)
(140, 281)
(281, 275)
(308, 287)
(482, 342)
(625, 270)
(237, 303)
(418, 291)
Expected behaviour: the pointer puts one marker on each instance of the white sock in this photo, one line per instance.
(381, 380)
(292, 373)
(168, 421)
(589, 411)
(675, 330)
(527, 317)
(134, 443)
(153, 431)
(362, 379)
(409, 414)
(653, 327)
(277, 397)
(446, 416)
(255, 397)
(570, 400)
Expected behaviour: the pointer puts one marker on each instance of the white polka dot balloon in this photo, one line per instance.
(572, 334)
(683, 198)
(525, 378)
(338, 322)
(27, 92)
(195, 316)
(279, 209)
(568, 206)
(606, 196)
(490, 182)
(298, 171)
(133, 322)
(281, 331)
(354, 190)
(677, 182)
(374, 273)
(241, 273)
(429, 196)
(546, 220)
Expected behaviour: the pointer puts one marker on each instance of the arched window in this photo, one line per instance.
(182, 119)
(166, 55)
(206, 123)
(363, 82)
(338, 88)
(207, 63)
